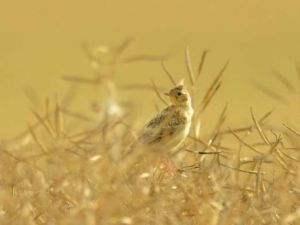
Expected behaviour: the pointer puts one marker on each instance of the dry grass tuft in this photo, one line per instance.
(57, 172)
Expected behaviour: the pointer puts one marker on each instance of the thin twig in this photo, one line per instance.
(248, 128)
(168, 73)
(213, 88)
(260, 130)
(144, 57)
(158, 94)
(244, 143)
(59, 127)
(244, 171)
(124, 45)
(189, 66)
(201, 64)
(37, 141)
(207, 99)
(44, 123)
(82, 80)
(289, 86)
(270, 93)
(292, 130)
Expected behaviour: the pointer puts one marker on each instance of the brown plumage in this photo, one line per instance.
(169, 128)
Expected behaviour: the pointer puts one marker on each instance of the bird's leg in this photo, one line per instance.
(168, 166)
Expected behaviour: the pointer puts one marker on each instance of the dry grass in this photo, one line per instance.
(57, 172)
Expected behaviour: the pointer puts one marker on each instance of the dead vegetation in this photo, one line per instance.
(56, 172)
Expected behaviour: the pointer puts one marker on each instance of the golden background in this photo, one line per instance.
(40, 41)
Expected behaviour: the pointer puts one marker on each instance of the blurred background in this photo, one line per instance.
(41, 41)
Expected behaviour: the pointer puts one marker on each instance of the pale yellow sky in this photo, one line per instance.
(40, 41)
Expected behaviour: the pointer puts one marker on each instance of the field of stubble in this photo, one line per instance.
(67, 167)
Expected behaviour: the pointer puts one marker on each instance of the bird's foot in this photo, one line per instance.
(170, 169)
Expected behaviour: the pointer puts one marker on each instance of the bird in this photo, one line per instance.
(170, 127)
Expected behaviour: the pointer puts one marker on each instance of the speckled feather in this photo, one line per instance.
(166, 123)
(169, 128)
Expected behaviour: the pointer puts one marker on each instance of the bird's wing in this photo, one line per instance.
(149, 133)
(160, 118)
(166, 123)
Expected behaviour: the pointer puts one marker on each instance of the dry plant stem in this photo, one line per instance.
(261, 132)
(144, 57)
(238, 161)
(247, 128)
(59, 120)
(203, 143)
(158, 94)
(258, 175)
(246, 144)
(206, 102)
(288, 85)
(24, 133)
(209, 153)
(273, 94)
(201, 64)
(243, 171)
(48, 117)
(209, 146)
(284, 165)
(79, 116)
(45, 124)
(288, 156)
(189, 66)
(88, 53)
(215, 85)
(220, 121)
(168, 73)
(123, 46)
(82, 80)
(292, 130)
(37, 141)
(10, 154)
(31, 95)
(69, 177)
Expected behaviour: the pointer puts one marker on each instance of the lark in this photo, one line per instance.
(169, 128)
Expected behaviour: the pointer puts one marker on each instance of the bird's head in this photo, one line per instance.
(179, 95)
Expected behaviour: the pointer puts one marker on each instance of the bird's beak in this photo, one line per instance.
(167, 94)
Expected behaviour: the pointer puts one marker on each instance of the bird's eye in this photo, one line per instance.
(179, 93)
